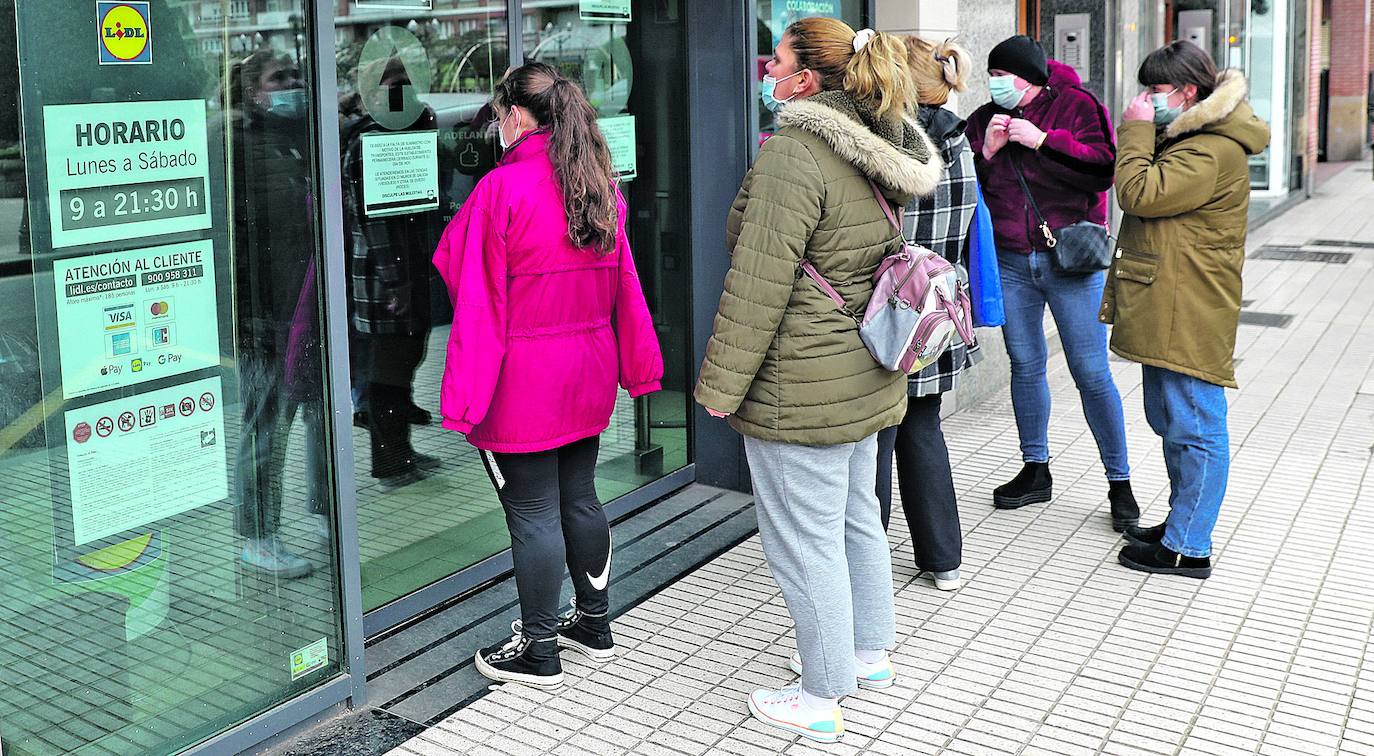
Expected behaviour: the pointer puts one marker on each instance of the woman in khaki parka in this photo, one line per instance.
(1173, 292)
(788, 367)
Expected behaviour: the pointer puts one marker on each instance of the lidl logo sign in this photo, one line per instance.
(126, 34)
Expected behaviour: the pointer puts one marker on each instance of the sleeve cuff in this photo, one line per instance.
(461, 426)
(641, 389)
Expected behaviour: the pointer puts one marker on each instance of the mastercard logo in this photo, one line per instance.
(125, 36)
(160, 308)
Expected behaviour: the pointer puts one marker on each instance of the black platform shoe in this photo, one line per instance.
(1125, 512)
(1030, 486)
(1153, 534)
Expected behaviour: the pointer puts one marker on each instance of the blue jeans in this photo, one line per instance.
(1029, 282)
(1190, 415)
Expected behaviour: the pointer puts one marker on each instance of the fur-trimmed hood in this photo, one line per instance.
(1225, 112)
(895, 153)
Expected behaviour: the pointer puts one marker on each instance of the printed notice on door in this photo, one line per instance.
(124, 318)
(400, 173)
(140, 459)
(125, 170)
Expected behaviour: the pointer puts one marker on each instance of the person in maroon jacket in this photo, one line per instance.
(1042, 123)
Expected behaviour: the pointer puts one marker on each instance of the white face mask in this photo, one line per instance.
(501, 130)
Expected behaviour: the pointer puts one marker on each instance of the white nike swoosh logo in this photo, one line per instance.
(599, 581)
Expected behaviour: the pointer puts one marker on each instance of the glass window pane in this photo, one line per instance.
(167, 550)
(413, 93)
(420, 525)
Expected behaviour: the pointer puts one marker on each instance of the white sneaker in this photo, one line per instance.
(948, 580)
(871, 676)
(785, 710)
(268, 556)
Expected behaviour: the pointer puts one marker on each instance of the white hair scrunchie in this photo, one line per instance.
(861, 38)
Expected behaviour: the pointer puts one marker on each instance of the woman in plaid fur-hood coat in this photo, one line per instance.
(939, 222)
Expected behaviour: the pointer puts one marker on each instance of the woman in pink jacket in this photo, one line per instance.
(548, 318)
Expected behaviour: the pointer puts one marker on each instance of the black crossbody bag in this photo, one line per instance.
(1080, 248)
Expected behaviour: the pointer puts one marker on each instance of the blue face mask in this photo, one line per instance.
(287, 103)
(1004, 92)
(766, 92)
(1164, 114)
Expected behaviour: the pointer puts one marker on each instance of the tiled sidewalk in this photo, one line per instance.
(1052, 647)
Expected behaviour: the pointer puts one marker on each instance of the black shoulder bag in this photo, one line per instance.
(1080, 248)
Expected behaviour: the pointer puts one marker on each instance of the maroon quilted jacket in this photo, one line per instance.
(1069, 175)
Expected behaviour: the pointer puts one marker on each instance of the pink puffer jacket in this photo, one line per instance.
(542, 331)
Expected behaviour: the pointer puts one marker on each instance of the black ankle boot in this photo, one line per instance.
(1030, 486)
(1125, 512)
(1153, 534)
(1161, 560)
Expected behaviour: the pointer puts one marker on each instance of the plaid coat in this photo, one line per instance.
(940, 222)
(389, 265)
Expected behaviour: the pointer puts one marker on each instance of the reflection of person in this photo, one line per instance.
(789, 368)
(548, 316)
(1183, 180)
(278, 349)
(389, 297)
(1042, 122)
(939, 222)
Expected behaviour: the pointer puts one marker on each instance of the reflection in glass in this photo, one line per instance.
(429, 522)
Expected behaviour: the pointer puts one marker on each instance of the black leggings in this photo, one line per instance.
(554, 519)
(926, 482)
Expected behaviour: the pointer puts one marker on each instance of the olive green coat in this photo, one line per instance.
(782, 360)
(1173, 291)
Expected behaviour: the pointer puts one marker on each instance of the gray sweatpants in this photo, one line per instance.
(824, 541)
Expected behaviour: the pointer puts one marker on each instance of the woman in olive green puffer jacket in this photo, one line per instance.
(783, 361)
(790, 369)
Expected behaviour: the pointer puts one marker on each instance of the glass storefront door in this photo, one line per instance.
(416, 137)
(167, 544)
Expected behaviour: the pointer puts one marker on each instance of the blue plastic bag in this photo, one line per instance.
(985, 282)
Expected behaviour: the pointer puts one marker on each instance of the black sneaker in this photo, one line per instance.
(1152, 535)
(1160, 560)
(1030, 486)
(522, 660)
(1125, 512)
(588, 635)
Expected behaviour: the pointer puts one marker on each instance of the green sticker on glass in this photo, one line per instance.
(620, 138)
(310, 658)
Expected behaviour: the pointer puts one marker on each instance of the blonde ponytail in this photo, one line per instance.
(937, 68)
(876, 74)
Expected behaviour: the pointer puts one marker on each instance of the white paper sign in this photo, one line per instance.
(140, 459)
(124, 318)
(125, 170)
(400, 172)
(619, 132)
(615, 11)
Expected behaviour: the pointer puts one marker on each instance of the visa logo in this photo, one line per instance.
(121, 316)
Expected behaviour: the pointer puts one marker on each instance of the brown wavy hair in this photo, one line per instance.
(581, 159)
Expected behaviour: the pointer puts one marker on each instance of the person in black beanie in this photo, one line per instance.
(1022, 56)
(1044, 127)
